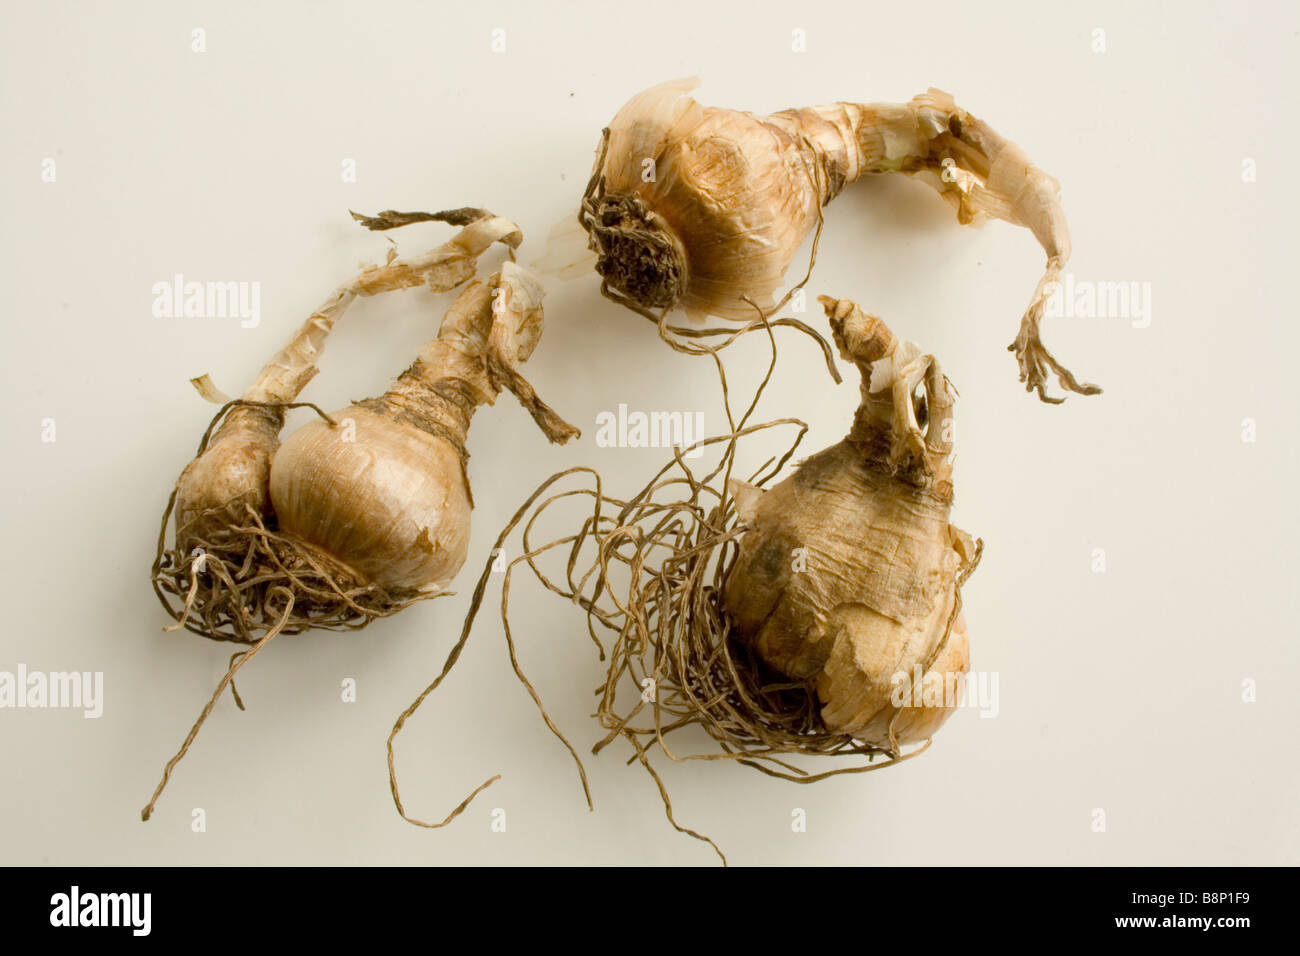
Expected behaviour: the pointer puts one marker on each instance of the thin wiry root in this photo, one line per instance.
(222, 587)
(236, 662)
(454, 655)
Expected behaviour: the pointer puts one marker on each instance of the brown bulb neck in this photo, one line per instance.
(449, 379)
(441, 402)
(880, 448)
(638, 254)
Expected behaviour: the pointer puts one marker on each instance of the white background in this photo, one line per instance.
(1119, 690)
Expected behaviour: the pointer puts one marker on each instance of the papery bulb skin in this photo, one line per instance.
(702, 205)
(229, 478)
(384, 491)
(846, 577)
(385, 499)
(863, 694)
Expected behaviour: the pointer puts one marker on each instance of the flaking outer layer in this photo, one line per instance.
(847, 576)
(390, 497)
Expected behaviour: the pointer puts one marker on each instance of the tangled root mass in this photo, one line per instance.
(233, 584)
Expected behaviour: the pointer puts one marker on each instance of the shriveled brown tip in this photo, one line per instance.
(836, 309)
(392, 219)
(204, 385)
(505, 375)
(562, 432)
(862, 337)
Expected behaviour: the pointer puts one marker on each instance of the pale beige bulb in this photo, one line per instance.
(849, 569)
(386, 500)
(384, 491)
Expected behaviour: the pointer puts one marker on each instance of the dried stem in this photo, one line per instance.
(236, 662)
